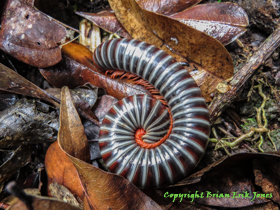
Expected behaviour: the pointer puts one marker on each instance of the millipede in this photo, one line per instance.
(149, 143)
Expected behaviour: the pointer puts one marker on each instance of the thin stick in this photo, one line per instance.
(222, 101)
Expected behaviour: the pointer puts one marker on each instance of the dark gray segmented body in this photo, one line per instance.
(172, 160)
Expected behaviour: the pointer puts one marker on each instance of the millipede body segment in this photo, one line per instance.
(170, 140)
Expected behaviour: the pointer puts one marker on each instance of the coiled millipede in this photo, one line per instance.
(149, 144)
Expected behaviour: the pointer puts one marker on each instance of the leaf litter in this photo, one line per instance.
(199, 179)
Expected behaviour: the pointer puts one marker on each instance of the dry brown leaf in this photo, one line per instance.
(62, 171)
(71, 133)
(30, 36)
(103, 190)
(107, 21)
(87, 205)
(166, 7)
(11, 81)
(161, 30)
(84, 96)
(109, 191)
(209, 55)
(222, 21)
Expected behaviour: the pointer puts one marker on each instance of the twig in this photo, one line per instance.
(223, 100)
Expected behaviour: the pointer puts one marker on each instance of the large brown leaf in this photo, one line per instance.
(223, 21)
(166, 7)
(29, 35)
(71, 134)
(209, 55)
(103, 190)
(182, 39)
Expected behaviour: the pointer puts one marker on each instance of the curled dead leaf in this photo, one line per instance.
(89, 35)
(71, 133)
